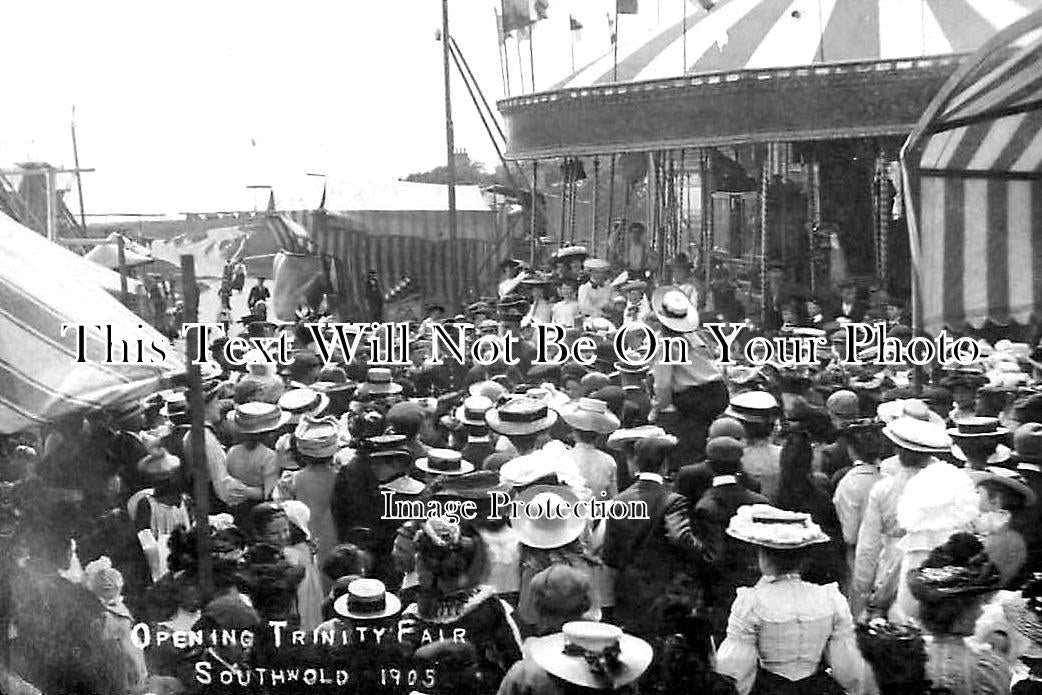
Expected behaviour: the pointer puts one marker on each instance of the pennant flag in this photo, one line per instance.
(626, 6)
(517, 14)
(576, 26)
(540, 9)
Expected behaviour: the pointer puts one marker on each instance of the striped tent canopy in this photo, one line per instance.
(974, 170)
(42, 287)
(401, 230)
(762, 34)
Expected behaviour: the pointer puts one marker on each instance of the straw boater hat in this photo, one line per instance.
(596, 264)
(778, 529)
(521, 416)
(538, 278)
(1024, 613)
(378, 382)
(444, 462)
(300, 402)
(620, 438)
(590, 415)
(472, 411)
(318, 437)
(556, 525)
(548, 394)
(915, 430)
(978, 428)
(257, 417)
(592, 655)
(753, 406)
(674, 310)
(175, 405)
(568, 252)
(367, 599)
(404, 485)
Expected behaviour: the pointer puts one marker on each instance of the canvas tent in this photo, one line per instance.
(42, 287)
(402, 229)
(974, 186)
(107, 254)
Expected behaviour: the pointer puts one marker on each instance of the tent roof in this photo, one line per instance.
(107, 254)
(42, 287)
(764, 34)
(975, 164)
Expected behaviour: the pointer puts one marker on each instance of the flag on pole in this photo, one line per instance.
(520, 14)
(707, 4)
(576, 27)
(611, 28)
(626, 6)
(499, 26)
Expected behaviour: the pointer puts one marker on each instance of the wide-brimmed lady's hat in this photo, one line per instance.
(444, 462)
(619, 439)
(333, 379)
(538, 278)
(378, 382)
(590, 415)
(778, 529)
(317, 437)
(300, 402)
(549, 520)
(1007, 479)
(592, 655)
(257, 417)
(472, 411)
(674, 310)
(918, 429)
(958, 568)
(471, 486)
(175, 406)
(367, 599)
(1024, 613)
(521, 416)
(159, 464)
(569, 252)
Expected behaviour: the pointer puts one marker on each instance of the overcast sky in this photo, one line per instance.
(179, 106)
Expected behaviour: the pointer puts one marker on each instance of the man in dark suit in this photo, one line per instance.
(729, 563)
(694, 479)
(1027, 442)
(849, 306)
(650, 558)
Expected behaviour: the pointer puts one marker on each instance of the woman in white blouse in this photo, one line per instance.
(783, 631)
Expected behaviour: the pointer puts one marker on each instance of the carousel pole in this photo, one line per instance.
(564, 202)
(704, 174)
(532, 211)
(764, 174)
(593, 204)
(197, 442)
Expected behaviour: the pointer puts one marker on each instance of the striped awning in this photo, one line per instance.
(42, 287)
(761, 34)
(974, 170)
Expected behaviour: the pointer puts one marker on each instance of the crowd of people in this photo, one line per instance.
(818, 529)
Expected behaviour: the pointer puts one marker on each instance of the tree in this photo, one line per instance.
(468, 172)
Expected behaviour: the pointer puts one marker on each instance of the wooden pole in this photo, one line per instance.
(450, 150)
(197, 443)
(531, 56)
(79, 179)
(52, 205)
(121, 247)
(531, 222)
(615, 48)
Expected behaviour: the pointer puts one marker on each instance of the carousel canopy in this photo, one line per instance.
(107, 254)
(974, 168)
(761, 70)
(42, 287)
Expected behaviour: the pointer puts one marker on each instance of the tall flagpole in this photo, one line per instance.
(683, 35)
(615, 47)
(450, 150)
(531, 56)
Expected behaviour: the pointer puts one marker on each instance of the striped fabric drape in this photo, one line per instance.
(411, 243)
(42, 287)
(763, 34)
(289, 234)
(973, 167)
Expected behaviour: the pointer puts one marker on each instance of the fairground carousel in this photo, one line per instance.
(753, 134)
